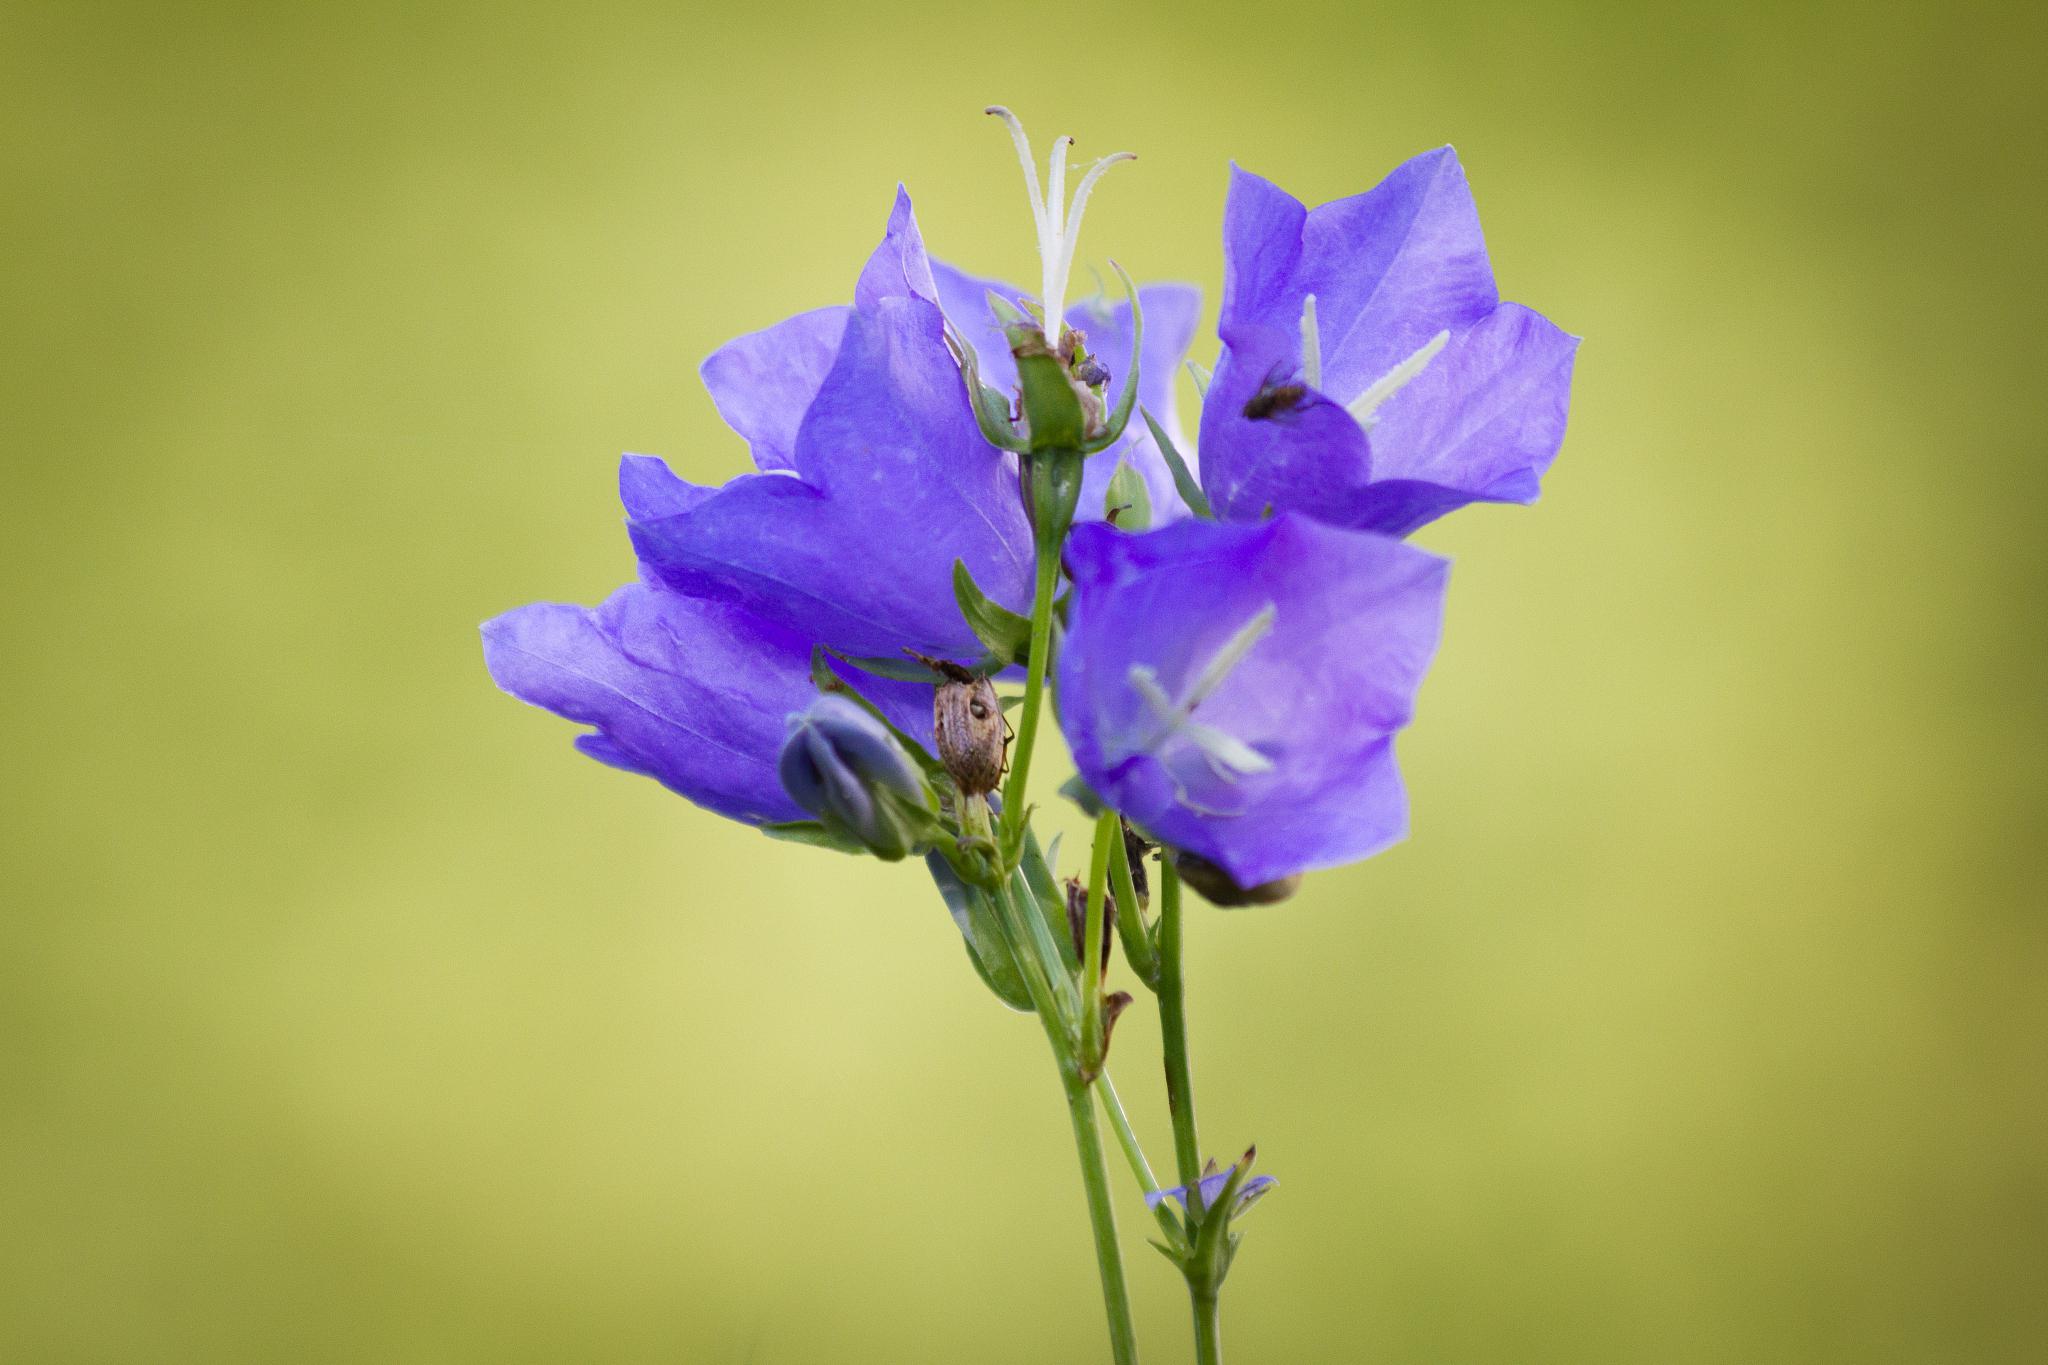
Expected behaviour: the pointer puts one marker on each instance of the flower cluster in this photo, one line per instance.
(1240, 644)
(957, 483)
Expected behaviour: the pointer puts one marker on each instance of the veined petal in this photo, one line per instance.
(1485, 417)
(764, 382)
(1389, 270)
(692, 692)
(893, 482)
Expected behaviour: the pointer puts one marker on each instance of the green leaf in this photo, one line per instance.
(1127, 503)
(1045, 893)
(813, 833)
(979, 928)
(1007, 635)
(1183, 478)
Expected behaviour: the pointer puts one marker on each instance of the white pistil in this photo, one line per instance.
(1311, 345)
(1390, 383)
(1058, 223)
(1229, 756)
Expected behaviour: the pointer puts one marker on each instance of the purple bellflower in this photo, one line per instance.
(694, 692)
(872, 474)
(872, 477)
(1234, 689)
(1370, 375)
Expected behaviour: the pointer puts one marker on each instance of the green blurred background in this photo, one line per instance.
(347, 1015)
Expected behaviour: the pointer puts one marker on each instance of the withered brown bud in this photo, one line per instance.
(1135, 849)
(1218, 889)
(967, 718)
(1113, 1006)
(1077, 917)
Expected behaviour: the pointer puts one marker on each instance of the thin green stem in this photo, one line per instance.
(1208, 1328)
(1034, 689)
(1127, 1138)
(1116, 1299)
(1173, 1031)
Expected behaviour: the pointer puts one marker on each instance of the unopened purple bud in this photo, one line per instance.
(843, 766)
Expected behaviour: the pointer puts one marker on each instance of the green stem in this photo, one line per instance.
(1042, 965)
(1127, 1138)
(1208, 1328)
(1034, 689)
(1173, 1031)
(1116, 1300)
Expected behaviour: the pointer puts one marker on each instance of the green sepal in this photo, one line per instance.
(1052, 407)
(981, 931)
(991, 406)
(1179, 1258)
(1007, 634)
(1128, 503)
(1120, 415)
(1184, 481)
(1082, 795)
(814, 833)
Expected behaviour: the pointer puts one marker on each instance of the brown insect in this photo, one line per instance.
(1273, 398)
(968, 722)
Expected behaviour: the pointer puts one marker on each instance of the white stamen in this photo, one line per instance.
(1070, 237)
(1390, 383)
(1229, 756)
(1311, 345)
(1058, 223)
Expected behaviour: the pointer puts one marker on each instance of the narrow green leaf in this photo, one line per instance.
(812, 833)
(1007, 634)
(980, 930)
(1183, 478)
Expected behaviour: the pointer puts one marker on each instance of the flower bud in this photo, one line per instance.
(1077, 918)
(967, 720)
(843, 766)
(1218, 888)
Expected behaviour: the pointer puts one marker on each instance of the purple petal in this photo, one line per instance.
(650, 489)
(1309, 456)
(1172, 311)
(1211, 1187)
(1319, 697)
(764, 382)
(691, 692)
(892, 483)
(1487, 416)
(965, 300)
(1389, 270)
(899, 267)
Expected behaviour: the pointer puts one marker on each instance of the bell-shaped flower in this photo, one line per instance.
(1235, 688)
(694, 692)
(873, 476)
(1370, 375)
